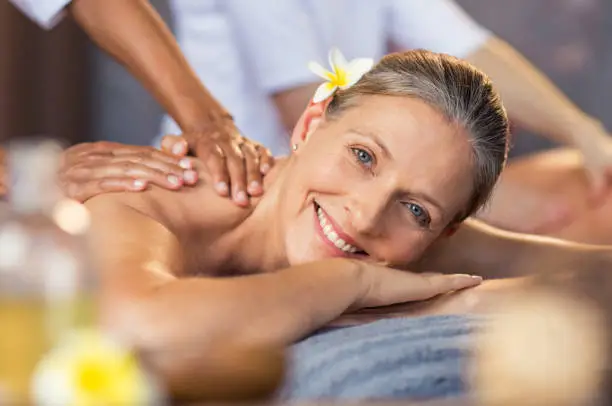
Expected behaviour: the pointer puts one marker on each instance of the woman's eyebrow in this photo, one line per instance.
(377, 140)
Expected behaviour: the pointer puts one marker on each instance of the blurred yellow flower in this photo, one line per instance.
(89, 369)
(343, 74)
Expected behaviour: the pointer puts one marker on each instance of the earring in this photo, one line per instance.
(294, 147)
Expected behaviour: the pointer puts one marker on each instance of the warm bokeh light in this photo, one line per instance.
(71, 216)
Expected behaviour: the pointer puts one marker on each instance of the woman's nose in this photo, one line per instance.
(365, 212)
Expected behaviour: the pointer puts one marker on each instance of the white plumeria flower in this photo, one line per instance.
(89, 369)
(343, 74)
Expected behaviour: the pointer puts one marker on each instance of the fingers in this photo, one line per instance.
(253, 172)
(434, 285)
(387, 286)
(266, 160)
(174, 144)
(83, 191)
(224, 161)
(157, 161)
(214, 159)
(236, 168)
(102, 148)
(169, 178)
(97, 169)
(235, 163)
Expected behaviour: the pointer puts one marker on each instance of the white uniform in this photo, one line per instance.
(246, 50)
(45, 13)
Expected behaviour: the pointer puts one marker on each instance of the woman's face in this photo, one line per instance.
(381, 182)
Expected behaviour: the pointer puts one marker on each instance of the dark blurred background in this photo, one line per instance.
(57, 83)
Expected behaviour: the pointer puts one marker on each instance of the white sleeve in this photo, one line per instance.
(278, 39)
(45, 13)
(437, 25)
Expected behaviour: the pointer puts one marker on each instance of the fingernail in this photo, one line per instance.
(476, 277)
(190, 176)
(139, 184)
(241, 197)
(221, 187)
(174, 180)
(254, 185)
(265, 168)
(185, 163)
(177, 148)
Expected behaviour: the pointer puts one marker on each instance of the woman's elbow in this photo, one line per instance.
(185, 355)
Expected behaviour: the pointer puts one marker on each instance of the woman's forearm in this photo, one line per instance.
(530, 97)
(267, 310)
(133, 33)
(480, 249)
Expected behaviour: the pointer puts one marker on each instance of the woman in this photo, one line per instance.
(381, 174)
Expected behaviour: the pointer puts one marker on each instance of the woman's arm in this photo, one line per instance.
(484, 250)
(145, 297)
(148, 299)
(185, 327)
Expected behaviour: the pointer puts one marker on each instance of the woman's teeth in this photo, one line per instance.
(333, 236)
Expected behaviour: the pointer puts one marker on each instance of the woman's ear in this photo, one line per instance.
(310, 119)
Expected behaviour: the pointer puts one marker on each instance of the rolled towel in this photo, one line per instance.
(419, 358)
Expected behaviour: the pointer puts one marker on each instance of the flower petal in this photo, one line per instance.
(360, 65)
(319, 70)
(324, 91)
(358, 68)
(337, 61)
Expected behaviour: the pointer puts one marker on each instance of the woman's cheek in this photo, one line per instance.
(405, 244)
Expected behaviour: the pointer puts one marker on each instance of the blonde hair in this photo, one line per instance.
(462, 93)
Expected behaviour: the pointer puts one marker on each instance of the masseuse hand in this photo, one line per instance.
(385, 286)
(517, 205)
(235, 163)
(93, 168)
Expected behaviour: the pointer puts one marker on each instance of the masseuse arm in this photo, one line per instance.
(494, 253)
(536, 103)
(531, 98)
(136, 36)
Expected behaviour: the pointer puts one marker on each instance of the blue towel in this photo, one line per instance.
(419, 358)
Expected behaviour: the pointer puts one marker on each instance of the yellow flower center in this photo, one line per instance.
(338, 78)
(92, 377)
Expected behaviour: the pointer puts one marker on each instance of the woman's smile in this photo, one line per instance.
(338, 242)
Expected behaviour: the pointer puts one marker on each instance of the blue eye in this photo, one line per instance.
(363, 156)
(419, 213)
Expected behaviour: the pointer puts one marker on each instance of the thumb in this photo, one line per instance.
(175, 144)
